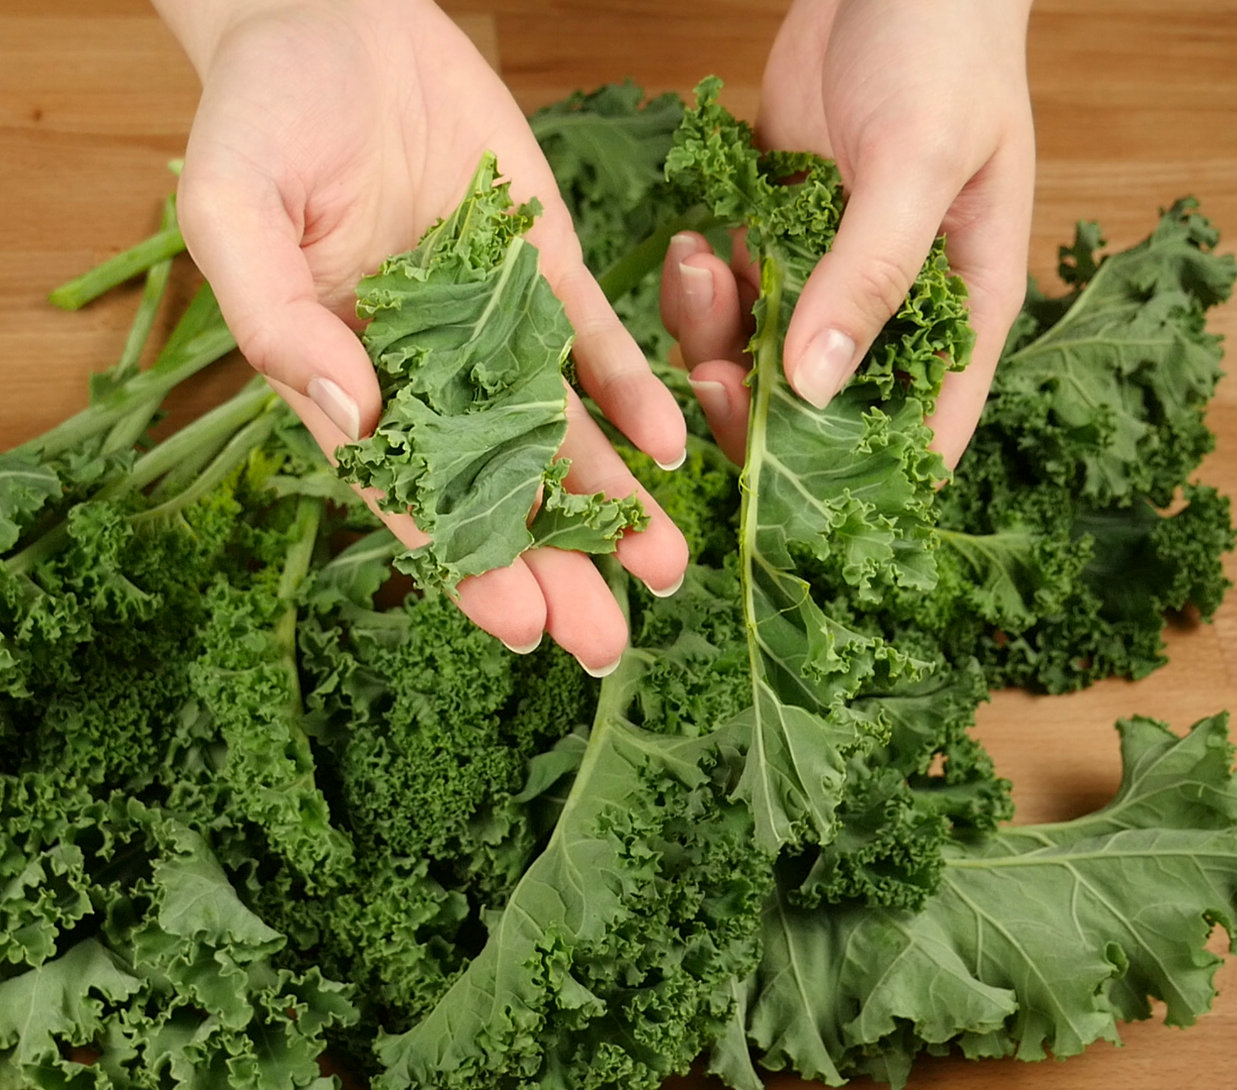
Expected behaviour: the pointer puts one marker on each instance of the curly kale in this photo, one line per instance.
(470, 346)
(611, 964)
(1107, 398)
(429, 727)
(1039, 938)
(263, 800)
(1073, 527)
(607, 149)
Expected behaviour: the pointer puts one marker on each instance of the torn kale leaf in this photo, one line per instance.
(470, 343)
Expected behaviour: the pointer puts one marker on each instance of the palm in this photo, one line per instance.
(375, 136)
(325, 142)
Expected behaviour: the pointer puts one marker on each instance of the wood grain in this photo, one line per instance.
(1135, 104)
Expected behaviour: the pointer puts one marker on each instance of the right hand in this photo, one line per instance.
(330, 135)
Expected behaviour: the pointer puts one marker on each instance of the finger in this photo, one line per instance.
(241, 236)
(507, 602)
(610, 365)
(965, 393)
(711, 322)
(582, 616)
(746, 269)
(958, 408)
(656, 555)
(987, 236)
(724, 395)
(743, 271)
(886, 231)
(682, 246)
(330, 437)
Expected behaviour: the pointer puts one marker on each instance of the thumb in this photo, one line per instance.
(886, 231)
(241, 237)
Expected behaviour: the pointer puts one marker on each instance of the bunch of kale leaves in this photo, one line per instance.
(260, 801)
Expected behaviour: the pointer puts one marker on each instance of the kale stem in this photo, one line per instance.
(126, 432)
(766, 365)
(304, 534)
(235, 451)
(626, 272)
(152, 295)
(209, 428)
(76, 293)
(119, 404)
(379, 543)
(214, 456)
(39, 550)
(219, 423)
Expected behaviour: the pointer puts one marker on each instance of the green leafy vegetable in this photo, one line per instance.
(1067, 506)
(25, 486)
(1040, 937)
(607, 149)
(263, 802)
(1109, 400)
(470, 343)
(842, 495)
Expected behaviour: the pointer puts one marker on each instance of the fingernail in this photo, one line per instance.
(342, 411)
(602, 671)
(697, 287)
(523, 649)
(669, 467)
(824, 367)
(712, 397)
(681, 247)
(666, 592)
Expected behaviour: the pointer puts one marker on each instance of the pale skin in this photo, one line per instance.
(331, 133)
(925, 109)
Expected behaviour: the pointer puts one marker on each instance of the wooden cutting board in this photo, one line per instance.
(1136, 105)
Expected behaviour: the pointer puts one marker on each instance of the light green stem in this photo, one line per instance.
(76, 293)
(101, 416)
(208, 430)
(622, 276)
(126, 432)
(304, 533)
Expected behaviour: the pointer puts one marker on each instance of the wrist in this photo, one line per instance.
(200, 26)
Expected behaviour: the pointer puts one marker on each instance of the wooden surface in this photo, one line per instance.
(1136, 104)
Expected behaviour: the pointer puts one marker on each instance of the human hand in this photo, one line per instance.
(925, 109)
(330, 135)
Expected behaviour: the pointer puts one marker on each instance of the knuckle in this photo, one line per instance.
(889, 151)
(613, 485)
(199, 202)
(883, 285)
(257, 344)
(997, 295)
(577, 414)
(592, 327)
(616, 485)
(561, 255)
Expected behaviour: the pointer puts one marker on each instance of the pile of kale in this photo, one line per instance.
(264, 799)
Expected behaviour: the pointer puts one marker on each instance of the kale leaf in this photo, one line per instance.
(263, 800)
(1039, 938)
(841, 496)
(470, 343)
